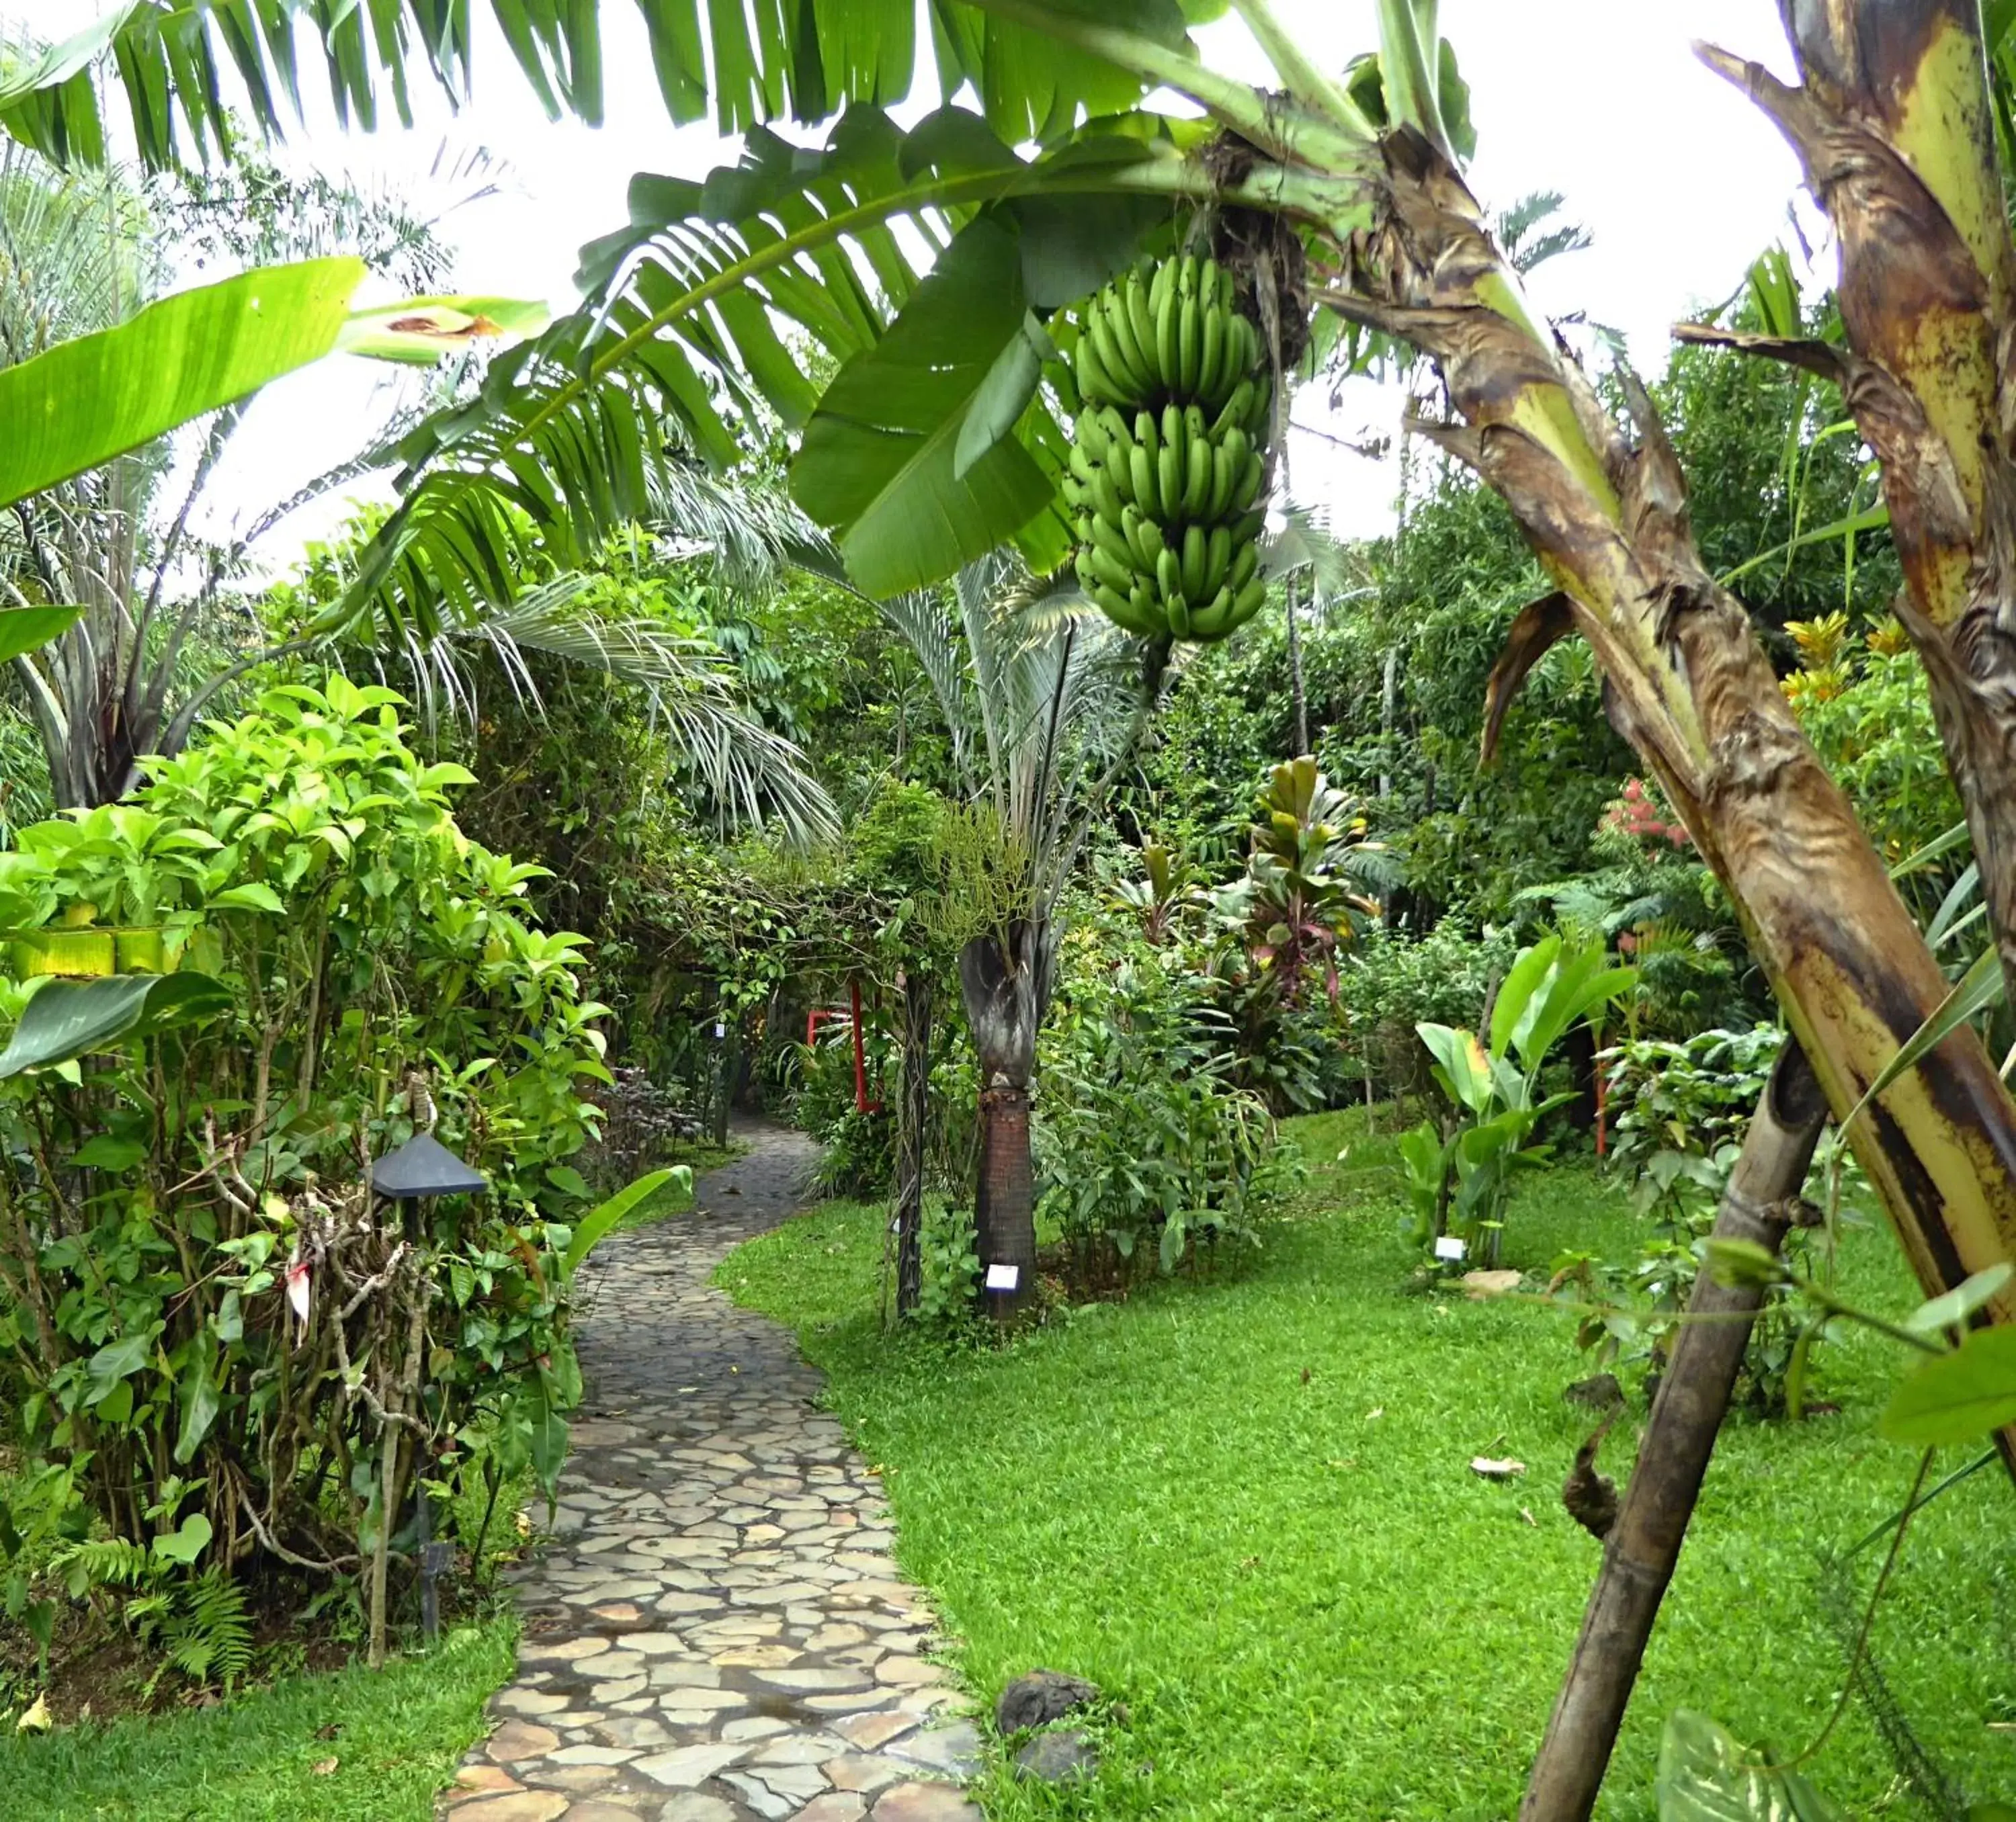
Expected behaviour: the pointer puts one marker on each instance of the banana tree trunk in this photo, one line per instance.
(914, 1115)
(1894, 125)
(1005, 980)
(1688, 685)
(1643, 1546)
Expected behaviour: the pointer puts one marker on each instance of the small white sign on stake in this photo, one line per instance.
(1003, 1278)
(1450, 1246)
(720, 1029)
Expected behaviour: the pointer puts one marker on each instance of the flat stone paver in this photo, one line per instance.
(719, 1633)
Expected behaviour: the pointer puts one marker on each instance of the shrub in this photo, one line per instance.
(1143, 1145)
(1391, 983)
(199, 1304)
(1691, 1099)
(1683, 1109)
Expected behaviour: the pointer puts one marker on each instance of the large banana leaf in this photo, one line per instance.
(87, 400)
(802, 59)
(877, 462)
(696, 328)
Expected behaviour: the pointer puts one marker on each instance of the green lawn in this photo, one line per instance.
(1244, 1507)
(398, 1735)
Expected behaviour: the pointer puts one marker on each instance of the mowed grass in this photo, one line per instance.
(384, 1742)
(1244, 1506)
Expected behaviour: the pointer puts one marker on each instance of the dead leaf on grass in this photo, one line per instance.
(36, 1719)
(1496, 1466)
(325, 1767)
(1478, 1286)
(1526, 1512)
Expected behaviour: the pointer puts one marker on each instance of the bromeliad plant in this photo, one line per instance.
(1496, 1090)
(200, 1306)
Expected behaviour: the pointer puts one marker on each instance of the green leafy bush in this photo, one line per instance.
(1391, 983)
(1143, 1144)
(1690, 1099)
(1681, 1111)
(200, 1306)
(1496, 1083)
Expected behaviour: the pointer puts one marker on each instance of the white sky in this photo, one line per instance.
(1680, 180)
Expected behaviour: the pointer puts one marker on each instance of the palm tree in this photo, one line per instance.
(160, 638)
(1045, 701)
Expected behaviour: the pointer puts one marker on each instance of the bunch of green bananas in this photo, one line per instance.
(1168, 455)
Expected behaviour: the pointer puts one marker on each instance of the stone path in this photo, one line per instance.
(717, 1633)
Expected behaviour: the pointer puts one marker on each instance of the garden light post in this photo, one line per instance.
(420, 1170)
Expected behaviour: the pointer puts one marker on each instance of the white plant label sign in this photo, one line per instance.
(1450, 1246)
(1003, 1278)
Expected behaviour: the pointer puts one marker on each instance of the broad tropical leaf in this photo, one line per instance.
(877, 466)
(87, 400)
(1959, 1397)
(67, 1019)
(590, 1229)
(422, 329)
(681, 355)
(804, 58)
(23, 629)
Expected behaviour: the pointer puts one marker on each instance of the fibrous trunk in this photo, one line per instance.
(1893, 124)
(1687, 683)
(1005, 980)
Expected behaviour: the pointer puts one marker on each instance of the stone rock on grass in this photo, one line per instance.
(1063, 1757)
(1040, 1698)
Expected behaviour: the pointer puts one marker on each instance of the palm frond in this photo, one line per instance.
(754, 777)
(921, 619)
(807, 60)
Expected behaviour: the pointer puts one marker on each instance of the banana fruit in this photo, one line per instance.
(1169, 454)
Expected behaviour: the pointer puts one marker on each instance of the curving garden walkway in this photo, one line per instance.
(719, 1634)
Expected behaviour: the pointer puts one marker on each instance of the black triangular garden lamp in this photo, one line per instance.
(423, 1168)
(418, 1171)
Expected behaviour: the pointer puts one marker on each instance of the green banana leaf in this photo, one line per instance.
(877, 466)
(175, 58)
(420, 330)
(90, 399)
(23, 629)
(593, 1226)
(67, 1019)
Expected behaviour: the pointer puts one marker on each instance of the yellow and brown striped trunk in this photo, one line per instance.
(1892, 122)
(1689, 686)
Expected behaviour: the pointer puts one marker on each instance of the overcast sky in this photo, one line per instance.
(1678, 179)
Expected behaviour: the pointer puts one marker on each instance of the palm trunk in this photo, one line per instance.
(914, 1116)
(1643, 1547)
(1005, 980)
